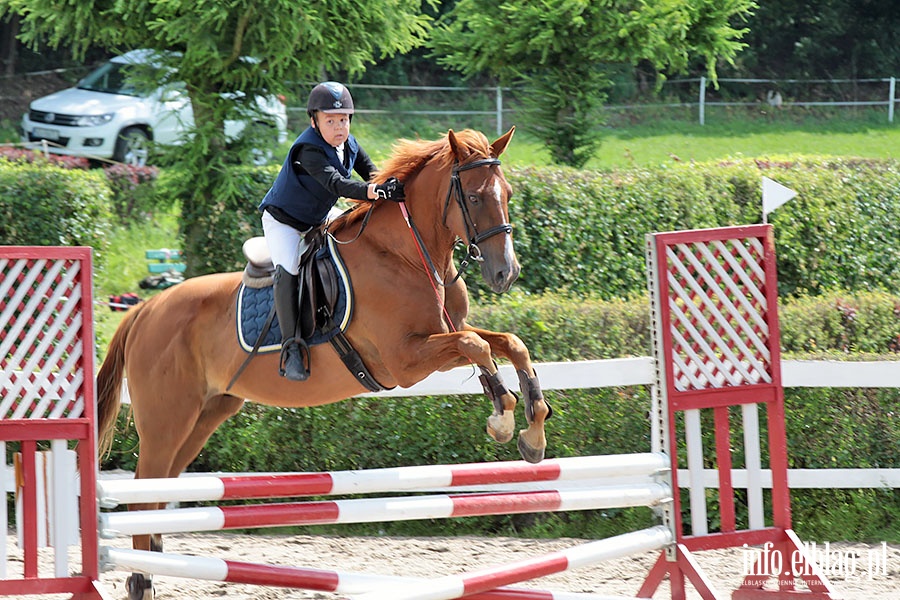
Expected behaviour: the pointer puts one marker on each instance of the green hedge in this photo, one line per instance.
(583, 232)
(826, 427)
(45, 205)
(576, 231)
(134, 196)
(561, 328)
(862, 322)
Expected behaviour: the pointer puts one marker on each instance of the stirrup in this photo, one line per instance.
(298, 372)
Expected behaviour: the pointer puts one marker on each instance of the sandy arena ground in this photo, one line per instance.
(438, 556)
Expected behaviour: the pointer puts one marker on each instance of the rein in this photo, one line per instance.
(473, 253)
(362, 227)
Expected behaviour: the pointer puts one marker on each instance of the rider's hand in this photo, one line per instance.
(391, 189)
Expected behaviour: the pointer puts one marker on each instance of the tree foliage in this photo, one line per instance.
(823, 39)
(207, 44)
(563, 51)
(299, 39)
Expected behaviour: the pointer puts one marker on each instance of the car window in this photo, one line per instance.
(118, 78)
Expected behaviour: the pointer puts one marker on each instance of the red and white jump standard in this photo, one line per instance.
(47, 396)
(716, 343)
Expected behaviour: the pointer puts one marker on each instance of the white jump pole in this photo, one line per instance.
(397, 479)
(370, 510)
(215, 569)
(457, 586)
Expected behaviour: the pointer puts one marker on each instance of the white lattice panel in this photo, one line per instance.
(41, 345)
(718, 314)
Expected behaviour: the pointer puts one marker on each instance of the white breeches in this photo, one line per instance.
(285, 243)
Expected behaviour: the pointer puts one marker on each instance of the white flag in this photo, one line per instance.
(774, 195)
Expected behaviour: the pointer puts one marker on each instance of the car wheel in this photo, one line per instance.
(132, 147)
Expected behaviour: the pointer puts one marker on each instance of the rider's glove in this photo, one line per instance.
(391, 189)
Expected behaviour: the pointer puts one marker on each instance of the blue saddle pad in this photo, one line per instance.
(254, 304)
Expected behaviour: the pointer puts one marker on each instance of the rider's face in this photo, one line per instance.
(333, 127)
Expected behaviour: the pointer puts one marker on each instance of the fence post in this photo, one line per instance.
(500, 110)
(702, 102)
(891, 99)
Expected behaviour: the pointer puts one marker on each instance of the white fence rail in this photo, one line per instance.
(498, 104)
(619, 372)
(622, 372)
(771, 94)
(775, 100)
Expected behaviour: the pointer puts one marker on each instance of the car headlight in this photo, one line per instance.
(93, 120)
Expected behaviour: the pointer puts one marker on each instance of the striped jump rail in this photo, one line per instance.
(457, 586)
(369, 510)
(114, 492)
(487, 584)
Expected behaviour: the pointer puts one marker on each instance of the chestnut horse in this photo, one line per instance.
(180, 348)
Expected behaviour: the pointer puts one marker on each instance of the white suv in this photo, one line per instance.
(104, 116)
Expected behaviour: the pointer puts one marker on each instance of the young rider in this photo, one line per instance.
(316, 172)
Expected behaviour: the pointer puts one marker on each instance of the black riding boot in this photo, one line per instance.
(286, 306)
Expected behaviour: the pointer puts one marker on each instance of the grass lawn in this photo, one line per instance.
(642, 147)
(666, 141)
(125, 265)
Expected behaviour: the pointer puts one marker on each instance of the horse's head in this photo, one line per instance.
(476, 209)
(471, 206)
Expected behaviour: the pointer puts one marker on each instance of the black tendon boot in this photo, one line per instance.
(285, 290)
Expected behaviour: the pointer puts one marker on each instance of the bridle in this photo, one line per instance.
(455, 191)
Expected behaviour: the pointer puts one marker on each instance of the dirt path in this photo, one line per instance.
(434, 557)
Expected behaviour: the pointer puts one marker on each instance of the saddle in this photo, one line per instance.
(318, 296)
(318, 281)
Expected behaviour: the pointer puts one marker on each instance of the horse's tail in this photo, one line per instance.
(109, 383)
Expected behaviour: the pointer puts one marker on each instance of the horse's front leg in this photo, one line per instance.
(532, 441)
(502, 422)
(434, 352)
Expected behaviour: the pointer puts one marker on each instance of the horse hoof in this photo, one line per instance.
(529, 454)
(139, 587)
(501, 427)
(500, 438)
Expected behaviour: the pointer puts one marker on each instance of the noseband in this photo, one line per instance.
(474, 237)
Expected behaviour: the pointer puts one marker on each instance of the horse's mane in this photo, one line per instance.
(410, 156)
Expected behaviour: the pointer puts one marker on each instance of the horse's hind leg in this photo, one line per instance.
(159, 443)
(138, 585)
(215, 411)
(165, 460)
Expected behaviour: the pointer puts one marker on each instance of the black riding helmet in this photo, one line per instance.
(329, 97)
